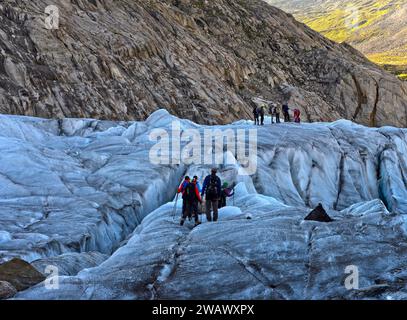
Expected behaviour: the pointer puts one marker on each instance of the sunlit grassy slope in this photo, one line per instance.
(343, 22)
(377, 28)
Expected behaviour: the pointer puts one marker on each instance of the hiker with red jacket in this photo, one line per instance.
(212, 189)
(191, 198)
(181, 190)
(297, 116)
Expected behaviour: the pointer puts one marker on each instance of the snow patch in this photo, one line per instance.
(229, 212)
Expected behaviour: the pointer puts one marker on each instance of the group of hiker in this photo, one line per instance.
(212, 191)
(259, 113)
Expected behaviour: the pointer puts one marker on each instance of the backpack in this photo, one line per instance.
(182, 188)
(212, 190)
(189, 193)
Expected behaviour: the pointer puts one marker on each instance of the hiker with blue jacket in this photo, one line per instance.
(212, 188)
(195, 180)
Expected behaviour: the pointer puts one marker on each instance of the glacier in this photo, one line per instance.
(83, 195)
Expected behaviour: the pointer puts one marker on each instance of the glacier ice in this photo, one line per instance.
(85, 190)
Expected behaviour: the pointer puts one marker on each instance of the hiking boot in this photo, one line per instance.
(197, 223)
(182, 222)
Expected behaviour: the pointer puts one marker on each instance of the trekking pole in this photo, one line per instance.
(174, 211)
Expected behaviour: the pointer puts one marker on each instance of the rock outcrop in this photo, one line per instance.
(201, 60)
(7, 290)
(20, 274)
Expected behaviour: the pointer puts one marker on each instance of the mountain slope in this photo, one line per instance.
(377, 28)
(202, 60)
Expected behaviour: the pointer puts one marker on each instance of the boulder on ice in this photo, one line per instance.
(318, 214)
(20, 274)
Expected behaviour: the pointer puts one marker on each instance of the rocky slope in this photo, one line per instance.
(82, 195)
(201, 60)
(376, 28)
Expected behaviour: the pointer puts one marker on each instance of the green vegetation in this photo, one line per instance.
(388, 58)
(365, 24)
(343, 24)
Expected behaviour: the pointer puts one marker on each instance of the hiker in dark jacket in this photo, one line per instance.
(212, 189)
(225, 193)
(262, 112)
(256, 114)
(286, 112)
(181, 190)
(192, 197)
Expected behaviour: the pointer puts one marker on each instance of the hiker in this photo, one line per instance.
(192, 197)
(271, 111)
(286, 112)
(181, 190)
(212, 189)
(256, 114)
(276, 113)
(225, 193)
(262, 113)
(195, 180)
(297, 116)
(198, 185)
